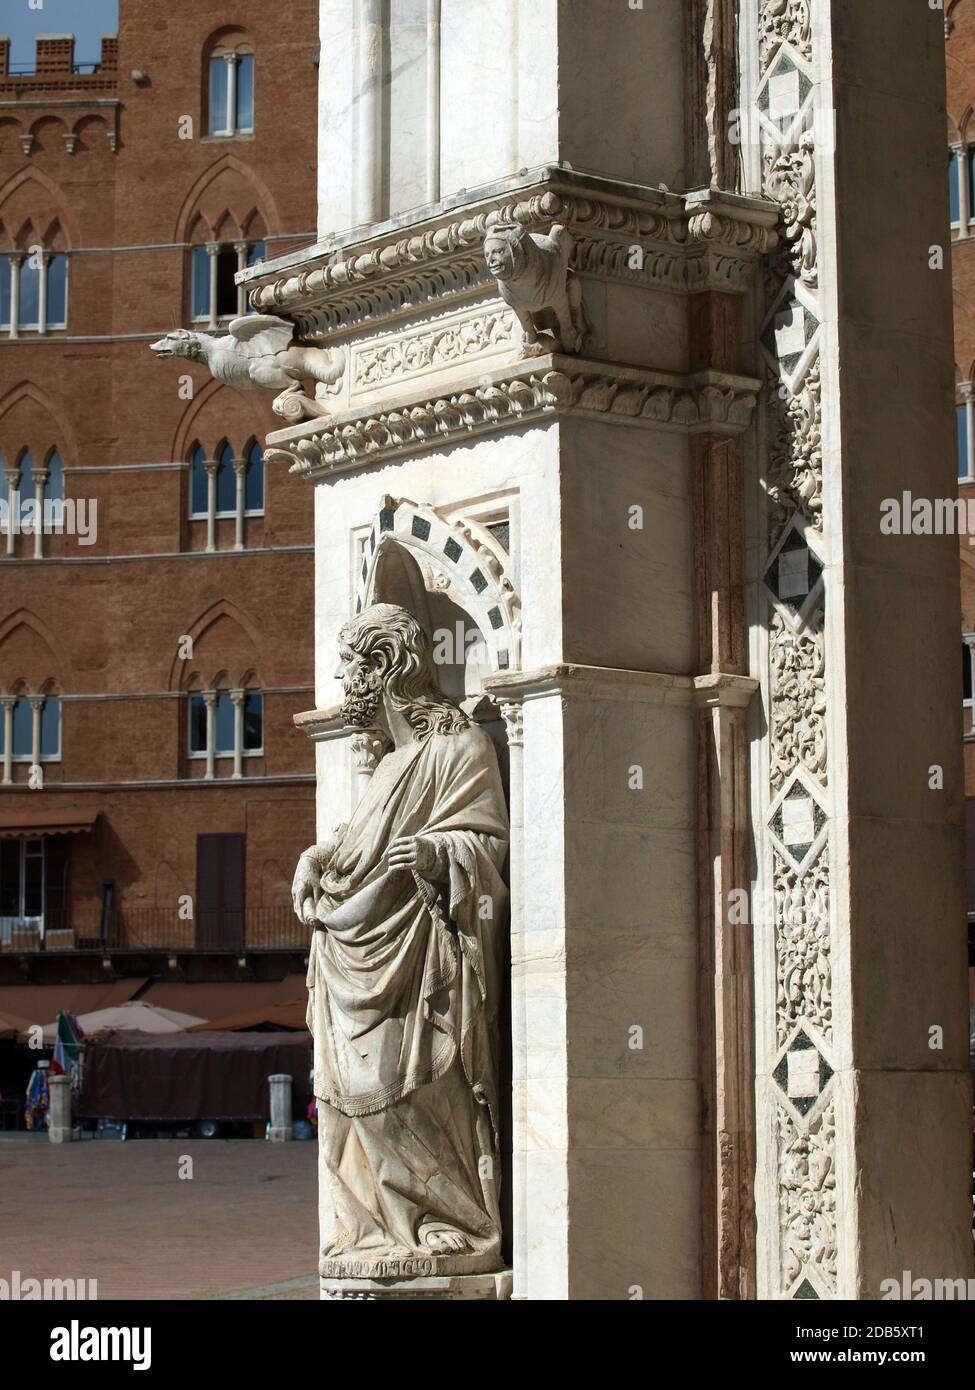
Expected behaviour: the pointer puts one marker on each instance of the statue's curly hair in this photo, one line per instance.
(398, 650)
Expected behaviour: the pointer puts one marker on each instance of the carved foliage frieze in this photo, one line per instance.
(807, 1200)
(380, 362)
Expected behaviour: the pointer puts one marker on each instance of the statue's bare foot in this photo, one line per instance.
(446, 1242)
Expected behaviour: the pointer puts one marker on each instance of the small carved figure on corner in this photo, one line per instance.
(533, 276)
(259, 351)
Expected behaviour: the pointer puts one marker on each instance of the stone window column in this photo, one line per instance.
(964, 211)
(231, 60)
(210, 700)
(211, 466)
(42, 293)
(967, 392)
(241, 248)
(37, 703)
(213, 251)
(41, 476)
(8, 702)
(240, 469)
(237, 700)
(15, 260)
(13, 486)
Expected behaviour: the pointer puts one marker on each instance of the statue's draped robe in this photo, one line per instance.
(403, 980)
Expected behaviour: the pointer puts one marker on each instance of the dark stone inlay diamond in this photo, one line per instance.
(358, 605)
(421, 528)
(783, 66)
(386, 518)
(496, 619)
(794, 572)
(478, 581)
(372, 539)
(452, 550)
(503, 660)
(806, 1291)
(365, 570)
(802, 1043)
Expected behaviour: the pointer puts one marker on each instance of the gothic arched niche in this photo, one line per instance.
(451, 577)
(456, 566)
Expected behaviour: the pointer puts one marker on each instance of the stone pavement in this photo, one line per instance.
(244, 1225)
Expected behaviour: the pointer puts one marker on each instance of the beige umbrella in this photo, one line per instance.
(137, 1016)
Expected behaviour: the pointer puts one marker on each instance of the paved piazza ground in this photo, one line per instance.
(244, 1226)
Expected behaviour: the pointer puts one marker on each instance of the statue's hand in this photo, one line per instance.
(306, 885)
(415, 852)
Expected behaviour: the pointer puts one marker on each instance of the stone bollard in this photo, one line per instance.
(59, 1110)
(280, 1130)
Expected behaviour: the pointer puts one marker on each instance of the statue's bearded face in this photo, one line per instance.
(363, 688)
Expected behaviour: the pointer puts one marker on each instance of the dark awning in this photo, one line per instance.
(30, 824)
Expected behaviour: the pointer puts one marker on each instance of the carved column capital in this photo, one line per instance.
(368, 747)
(212, 467)
(240, 467)
(37, 701)
(512, 712)
(237, 696)
(210, 698)
(8, 701)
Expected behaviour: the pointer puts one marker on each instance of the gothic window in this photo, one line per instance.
(226, 723)
(254, 480)
(33, 291)
(965, 433)
(198, 482)
(231, 93)
(232, 486)
(214, 293)
(27, 492)
(30, 730)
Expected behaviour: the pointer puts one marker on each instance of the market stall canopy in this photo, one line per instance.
(37, 1002)
(227, 999)
(273, 1016)
(28, 824)
(136, 1016)
(189, 1077)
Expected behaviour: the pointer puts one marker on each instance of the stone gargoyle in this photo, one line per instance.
(534, 278)
(258, 351)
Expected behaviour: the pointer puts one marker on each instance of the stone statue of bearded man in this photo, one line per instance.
(408, 902)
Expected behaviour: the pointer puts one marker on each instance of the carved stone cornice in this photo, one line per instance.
(687, 243)
(701, 402)
(322, 724)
